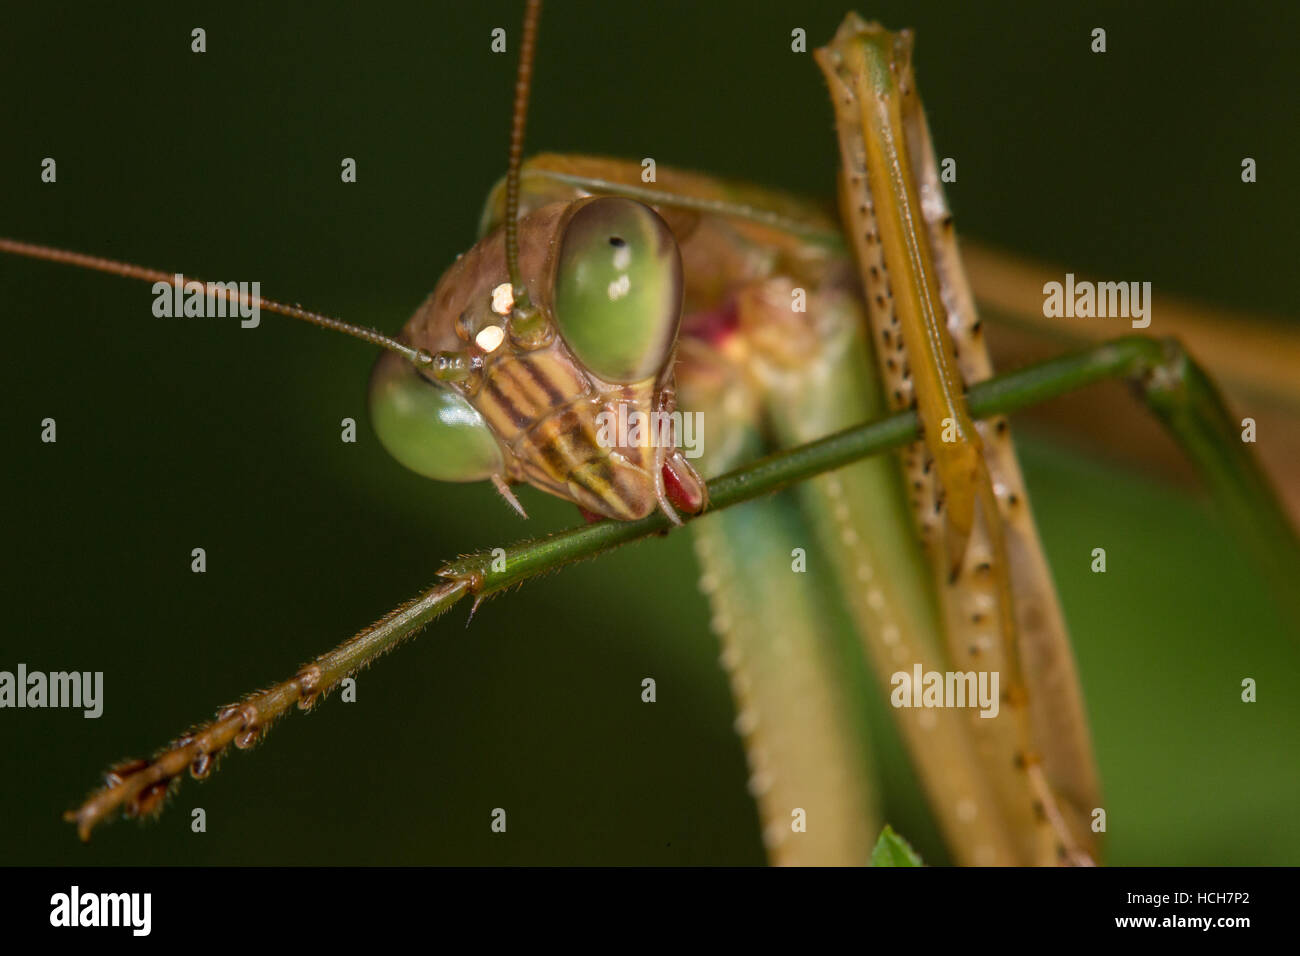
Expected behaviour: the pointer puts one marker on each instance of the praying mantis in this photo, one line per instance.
(333, 520)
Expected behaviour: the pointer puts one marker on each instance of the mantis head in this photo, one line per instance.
(573, 394)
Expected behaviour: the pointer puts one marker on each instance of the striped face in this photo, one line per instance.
(572, 411)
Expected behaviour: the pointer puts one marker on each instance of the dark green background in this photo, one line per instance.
(175, 434)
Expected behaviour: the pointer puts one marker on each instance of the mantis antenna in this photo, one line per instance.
(417, 357)
(523, 307)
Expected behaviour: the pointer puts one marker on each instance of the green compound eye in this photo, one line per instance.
(431, 430)
(618, 289)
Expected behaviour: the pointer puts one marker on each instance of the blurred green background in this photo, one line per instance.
(175, 434)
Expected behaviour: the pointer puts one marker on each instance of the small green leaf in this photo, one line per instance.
(892, 850)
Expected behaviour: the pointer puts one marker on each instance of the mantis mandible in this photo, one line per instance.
(754, 308)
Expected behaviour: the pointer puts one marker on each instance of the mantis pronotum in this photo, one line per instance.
(272, 290)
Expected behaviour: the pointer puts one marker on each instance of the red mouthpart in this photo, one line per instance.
(684, 496)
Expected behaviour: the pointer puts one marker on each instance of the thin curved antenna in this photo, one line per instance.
(417, 357)
(518, 122)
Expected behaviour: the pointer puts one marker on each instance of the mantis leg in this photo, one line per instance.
(1001, 612)
(140, 787)
(796, 681)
